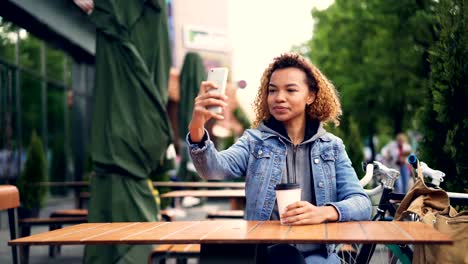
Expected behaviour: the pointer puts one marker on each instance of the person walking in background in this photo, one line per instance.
(287, 144)
(394, 155)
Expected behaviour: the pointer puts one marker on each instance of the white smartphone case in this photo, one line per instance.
(219, 77)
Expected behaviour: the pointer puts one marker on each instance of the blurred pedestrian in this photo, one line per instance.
(394, 155)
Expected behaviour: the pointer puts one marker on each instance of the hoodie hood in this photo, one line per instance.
(272, 127)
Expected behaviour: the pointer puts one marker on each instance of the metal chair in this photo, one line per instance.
(9, 200)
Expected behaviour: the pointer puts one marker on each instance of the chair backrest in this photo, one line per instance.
(9, 200)
(9, 197)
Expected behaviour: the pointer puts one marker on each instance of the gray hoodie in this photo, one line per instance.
(298, 167)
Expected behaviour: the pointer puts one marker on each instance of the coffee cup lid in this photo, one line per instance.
(287, 186)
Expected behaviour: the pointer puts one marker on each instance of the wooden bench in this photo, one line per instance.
(70, 213)
(181, 252)
(166, 215)
(226, 214)
(236, 197)
(53, 223)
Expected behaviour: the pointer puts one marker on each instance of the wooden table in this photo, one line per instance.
(236, 197)
(242, 236)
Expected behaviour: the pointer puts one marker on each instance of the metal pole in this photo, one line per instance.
(45, 135)
(9, 128)
(19, 126)
(65, 120)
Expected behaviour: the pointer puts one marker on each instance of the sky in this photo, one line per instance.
(261, 30)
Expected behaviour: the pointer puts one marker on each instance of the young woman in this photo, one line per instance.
(288, 144)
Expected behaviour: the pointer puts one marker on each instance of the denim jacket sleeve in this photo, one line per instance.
(352, 202)
(214, 165)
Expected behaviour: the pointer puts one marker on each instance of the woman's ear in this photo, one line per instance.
(311, 98)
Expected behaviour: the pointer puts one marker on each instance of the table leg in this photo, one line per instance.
(229, 254)
(237, 203)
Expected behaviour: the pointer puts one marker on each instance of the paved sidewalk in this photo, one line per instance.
(73, 254)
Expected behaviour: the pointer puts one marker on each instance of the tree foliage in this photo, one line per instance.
(374, 53)
(32, 196)
(30, 61)
(389, 59)
(444, 117)
(30, 91)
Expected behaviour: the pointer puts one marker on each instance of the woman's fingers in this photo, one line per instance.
(207, 113)
(303, 219)
(205, 89)
(85, 5)
(210, 101)
(298, 208)
(206, 86)
(208, 95)
(301, 213)
(204, 99)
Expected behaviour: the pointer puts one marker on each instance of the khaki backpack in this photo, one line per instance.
(432, 206)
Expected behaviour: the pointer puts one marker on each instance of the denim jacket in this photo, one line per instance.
(260, 156)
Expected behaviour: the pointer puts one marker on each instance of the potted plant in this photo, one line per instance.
(32, 195)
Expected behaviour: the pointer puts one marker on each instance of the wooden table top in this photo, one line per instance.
(237, 232)
(237, 193)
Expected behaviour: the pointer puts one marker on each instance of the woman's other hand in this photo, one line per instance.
(305, 213)
(86, 5)
(201, 114)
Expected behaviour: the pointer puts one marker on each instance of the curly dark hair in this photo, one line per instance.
(325, 108)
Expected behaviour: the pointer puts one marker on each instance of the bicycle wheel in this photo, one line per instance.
(375, 254)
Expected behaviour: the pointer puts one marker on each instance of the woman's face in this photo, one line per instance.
(288, 95)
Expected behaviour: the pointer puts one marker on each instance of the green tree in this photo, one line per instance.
(373, 55)
(7, 47)
(444, 117)
(31, 84)
(33, 196)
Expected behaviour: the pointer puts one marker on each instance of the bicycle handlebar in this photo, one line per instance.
(377, 169)
(413, 160)
(437, 176)
(369, 173)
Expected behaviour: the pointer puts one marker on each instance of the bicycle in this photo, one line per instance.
(386, 209)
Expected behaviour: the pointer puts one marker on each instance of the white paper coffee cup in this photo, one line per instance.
(286, 194)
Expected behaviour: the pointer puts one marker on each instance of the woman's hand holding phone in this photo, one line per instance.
(209, 102)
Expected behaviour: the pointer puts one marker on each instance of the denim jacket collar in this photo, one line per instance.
(267, 132)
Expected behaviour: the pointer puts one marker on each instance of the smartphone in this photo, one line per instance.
(219, 77)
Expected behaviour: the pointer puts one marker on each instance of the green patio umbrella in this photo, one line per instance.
(191, 75)
(131, 130)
